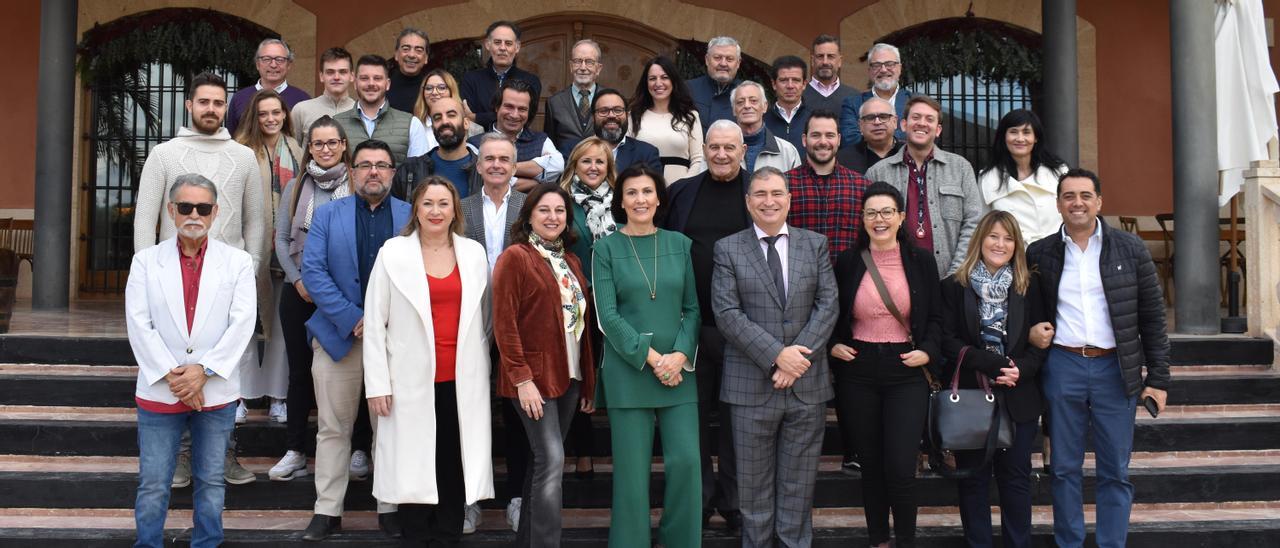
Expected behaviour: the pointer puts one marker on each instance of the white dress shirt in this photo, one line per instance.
(1032, 201)
(781, 246)
(1083, 317)
(495, 225)
(551, 162)
(420, 140)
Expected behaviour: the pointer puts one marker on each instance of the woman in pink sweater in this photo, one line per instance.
(880, 360)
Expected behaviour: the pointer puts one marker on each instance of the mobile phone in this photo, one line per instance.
(1150, 403)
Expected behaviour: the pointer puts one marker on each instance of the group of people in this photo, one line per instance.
(685, 257)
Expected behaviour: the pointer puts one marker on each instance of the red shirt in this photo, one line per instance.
(446, 307)
(830, 205)
(918, 224)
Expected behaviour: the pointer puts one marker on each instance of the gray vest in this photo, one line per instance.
(391, 127)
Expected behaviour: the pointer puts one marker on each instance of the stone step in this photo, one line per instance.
(1241, 524)
(112, 431)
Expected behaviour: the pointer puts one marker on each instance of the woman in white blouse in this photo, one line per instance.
(663, 115)
(1022, 176)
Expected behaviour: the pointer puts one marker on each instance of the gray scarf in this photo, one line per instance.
(993, 303)
(332, 180)
(596, 205)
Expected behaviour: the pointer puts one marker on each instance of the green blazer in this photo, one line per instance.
(632, 322)
(582, 247)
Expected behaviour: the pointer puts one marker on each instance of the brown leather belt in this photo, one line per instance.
(1087, 351)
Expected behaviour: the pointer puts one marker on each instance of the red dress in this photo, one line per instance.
(446, 305)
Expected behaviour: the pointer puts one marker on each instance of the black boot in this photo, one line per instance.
(321, 527)
(390, 524)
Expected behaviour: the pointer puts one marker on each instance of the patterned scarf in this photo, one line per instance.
(596, 205)
(572, 301)
(332, 180)
(993, 303)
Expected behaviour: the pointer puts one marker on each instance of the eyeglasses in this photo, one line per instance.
(439, 89)
(366, 166)
(615, 111)
(185, 208)
(886, 213)
(331, 144)
(887, 64)
(267, 60)
(882, 118)
(589, 63)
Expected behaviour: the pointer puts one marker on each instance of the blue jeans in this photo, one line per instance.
(158, 435)
(1088, 394)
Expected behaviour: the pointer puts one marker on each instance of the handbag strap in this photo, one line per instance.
(983, 383)
(874, 272)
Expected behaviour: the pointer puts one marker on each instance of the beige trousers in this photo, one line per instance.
(338, 401)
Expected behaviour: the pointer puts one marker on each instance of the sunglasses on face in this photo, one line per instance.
(185, 208)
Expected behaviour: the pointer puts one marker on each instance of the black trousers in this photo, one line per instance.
(719, 490)
(440, 524)
(888, 403)
(1012, 469)
(515, 443)
(582, 436)
(294, 313)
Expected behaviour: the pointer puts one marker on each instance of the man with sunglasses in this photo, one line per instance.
(878, 124)
(337, 279)
(884, 68)
(273, 60)
(190, 306)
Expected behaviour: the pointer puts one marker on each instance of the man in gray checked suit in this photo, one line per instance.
(774, 296)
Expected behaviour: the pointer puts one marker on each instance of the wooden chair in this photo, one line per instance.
(1129, 224)
(1164, 265)
(18, 235)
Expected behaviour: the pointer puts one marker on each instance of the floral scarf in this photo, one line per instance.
(993, 303)
(573, 303)
(596, 205)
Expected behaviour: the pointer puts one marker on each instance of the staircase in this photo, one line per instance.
(1206, 473)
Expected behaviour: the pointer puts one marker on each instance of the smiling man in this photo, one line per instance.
(878, 124)
(336, 73)
(502, 43)
(884, 68)
(273, 60)
(413, 49)
(609, 110)
(711, 90)
(825, 91)
(944, 202)
(569, 118)
(537, 160)
(374, 118)
(763, 147)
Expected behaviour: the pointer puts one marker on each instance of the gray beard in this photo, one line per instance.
(613, 137)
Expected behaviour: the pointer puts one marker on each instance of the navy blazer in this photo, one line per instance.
(331, 272)
(711, 105)
(850, 133)
(630, 152)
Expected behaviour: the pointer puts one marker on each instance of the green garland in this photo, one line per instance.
(989, 54)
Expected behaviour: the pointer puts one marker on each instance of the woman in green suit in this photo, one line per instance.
(648, 310)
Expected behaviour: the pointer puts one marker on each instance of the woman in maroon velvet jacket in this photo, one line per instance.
(541, 318)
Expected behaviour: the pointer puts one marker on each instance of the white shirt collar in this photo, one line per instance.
(278, 89)
(760, 233)
(1096, 237)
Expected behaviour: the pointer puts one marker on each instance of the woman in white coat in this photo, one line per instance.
(426, 369)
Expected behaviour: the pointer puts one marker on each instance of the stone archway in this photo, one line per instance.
(859, 31)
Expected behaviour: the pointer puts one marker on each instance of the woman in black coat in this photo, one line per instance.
(990, 304)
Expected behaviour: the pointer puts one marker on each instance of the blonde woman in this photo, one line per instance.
(439, 84)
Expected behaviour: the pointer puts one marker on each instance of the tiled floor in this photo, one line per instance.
(83, 319)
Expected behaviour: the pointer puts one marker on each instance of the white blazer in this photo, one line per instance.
(156, 319)
(399, 361)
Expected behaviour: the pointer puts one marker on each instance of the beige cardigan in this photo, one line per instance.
(266, 298)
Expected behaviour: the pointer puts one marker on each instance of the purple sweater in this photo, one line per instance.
(240, 101)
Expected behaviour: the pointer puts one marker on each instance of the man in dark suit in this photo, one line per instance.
(609, 110)
(884, 68)
(774, 296)
(711, 91)
(568, 119)
(502, 42)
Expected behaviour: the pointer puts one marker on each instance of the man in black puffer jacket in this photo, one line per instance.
(1100, 286)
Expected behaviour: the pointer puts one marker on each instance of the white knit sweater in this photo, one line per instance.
(232, 168)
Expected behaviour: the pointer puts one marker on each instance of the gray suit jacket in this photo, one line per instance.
(753, 322)
(955, 202)
(473, 216)
(561, 123)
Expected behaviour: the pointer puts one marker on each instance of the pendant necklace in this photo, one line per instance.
(652, 286)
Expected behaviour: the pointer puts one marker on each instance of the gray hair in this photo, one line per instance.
(723, 41)
(588, 42)
(727, 125)
(493, 136)
(733, 95)
(270, 41)
(768, 171)
(863, 108)
(881, 46)
(415, 32)
(192, 179)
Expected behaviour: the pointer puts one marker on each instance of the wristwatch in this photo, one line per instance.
(209, 372)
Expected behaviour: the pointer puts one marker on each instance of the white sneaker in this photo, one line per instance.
(293, 465)
(470, 519)
(242, 413)
(279, 412)
(359, 469)
(513, 513)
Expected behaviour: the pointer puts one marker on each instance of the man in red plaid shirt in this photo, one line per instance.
(825, 196)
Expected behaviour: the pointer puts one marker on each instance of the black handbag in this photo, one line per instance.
(969, 419)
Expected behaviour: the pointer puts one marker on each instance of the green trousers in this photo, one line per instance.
(632, 432)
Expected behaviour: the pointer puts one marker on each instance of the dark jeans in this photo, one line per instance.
(1012, 469)
(515, 443)
(582, 436)
(440, 524)
(719, 491)
(543, 490)
(888, 403)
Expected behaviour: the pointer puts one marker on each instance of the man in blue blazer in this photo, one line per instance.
(342, 245)
(609, 112)
(884, 68)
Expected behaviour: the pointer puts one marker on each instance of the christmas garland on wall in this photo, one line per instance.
(989, 50)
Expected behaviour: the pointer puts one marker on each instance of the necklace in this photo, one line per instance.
(653, 286)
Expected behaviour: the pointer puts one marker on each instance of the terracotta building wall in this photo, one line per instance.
(19, 36)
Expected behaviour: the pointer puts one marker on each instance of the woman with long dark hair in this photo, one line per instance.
(885, 346)
(322, 178)
(663, 114)
(990, 302)
(1022, 176)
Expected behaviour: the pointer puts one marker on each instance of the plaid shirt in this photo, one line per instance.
(831, 205)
